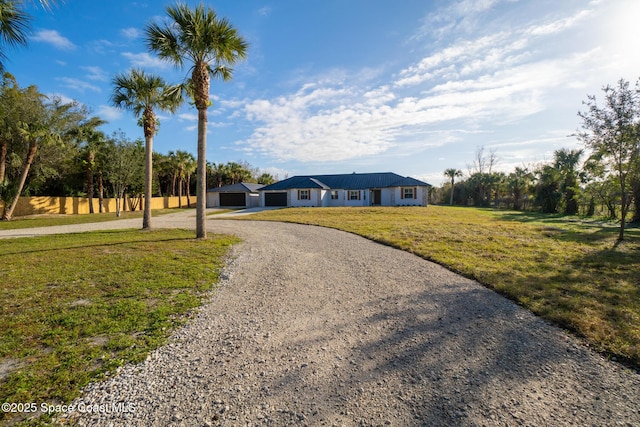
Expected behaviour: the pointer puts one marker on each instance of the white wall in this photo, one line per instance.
(420, 194)
(213, 200)
(320, 197)
(364, 198)
(253, 200)
(315, 198)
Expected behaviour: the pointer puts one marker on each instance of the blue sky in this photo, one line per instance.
(340, 86)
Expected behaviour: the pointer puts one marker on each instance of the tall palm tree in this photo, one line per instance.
(211, 45)
(452, 174)
(144, 93)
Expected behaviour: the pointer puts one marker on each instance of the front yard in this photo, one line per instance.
(76, 306)
(567, 270)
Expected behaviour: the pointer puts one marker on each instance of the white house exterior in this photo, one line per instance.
(236, 195)
(371, 189)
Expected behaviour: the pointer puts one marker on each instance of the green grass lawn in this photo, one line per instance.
(50, 220)
(567, 270)
(76, 306)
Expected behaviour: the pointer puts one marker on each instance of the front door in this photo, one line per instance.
(377, 197)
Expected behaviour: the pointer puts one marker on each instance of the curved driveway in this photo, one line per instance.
(313, 326)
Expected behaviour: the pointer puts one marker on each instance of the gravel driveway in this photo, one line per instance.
(313, 326)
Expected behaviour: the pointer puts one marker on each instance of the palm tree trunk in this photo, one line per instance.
(180, 193)
(451, 198)
(90, 159)
(189, 190)
(3, 159)
(174, 178)
(148, 182)
(201, 184)
(100, 193)
(8, 213)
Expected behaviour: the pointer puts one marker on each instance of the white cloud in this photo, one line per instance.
(518, 77)
(96, 73)
(130, 33)
(101, 47)
(53, 38)
(108, 112)
(145, 60)
(559, 25)
(264, 11)
(189, 117)
(77, 84)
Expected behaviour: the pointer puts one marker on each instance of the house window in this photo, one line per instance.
(409, 193)
(303, 195)
(354, 195)
(334, 195)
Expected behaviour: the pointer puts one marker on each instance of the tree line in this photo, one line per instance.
(603, 178)
(196, 38)
(52, 148)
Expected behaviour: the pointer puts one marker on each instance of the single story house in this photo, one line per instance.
(243, 194)
(356, 189)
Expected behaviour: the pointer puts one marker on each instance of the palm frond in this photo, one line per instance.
(14, 24)
(138, 91)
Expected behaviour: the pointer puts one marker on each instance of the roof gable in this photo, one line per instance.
(240, 187)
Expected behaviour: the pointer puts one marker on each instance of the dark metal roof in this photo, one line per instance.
(241, 187)
(353, 181)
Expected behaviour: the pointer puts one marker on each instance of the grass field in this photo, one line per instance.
(76, 306)
(567, 270)
(50, 220)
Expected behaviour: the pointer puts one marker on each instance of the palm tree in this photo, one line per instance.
(452, 174)
(14, 26)
(210, 44)
(566, 162)
(189, 168)
(221, 174)
(35, 135)
(143, 94)
(91, 139)
(266, 179)
(184, 163)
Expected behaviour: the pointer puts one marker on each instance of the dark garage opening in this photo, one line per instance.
(233, 199)
(275, 199)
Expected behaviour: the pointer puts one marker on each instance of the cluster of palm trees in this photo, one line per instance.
(564, 185)
(193, 38)
(209, 46)
(550, 188)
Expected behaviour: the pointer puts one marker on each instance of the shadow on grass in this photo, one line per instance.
(565, 228)
(33, 245)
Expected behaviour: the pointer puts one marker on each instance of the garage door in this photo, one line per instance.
(275, 199)
(232, 199)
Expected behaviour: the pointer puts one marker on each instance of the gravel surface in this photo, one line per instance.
(317, 327)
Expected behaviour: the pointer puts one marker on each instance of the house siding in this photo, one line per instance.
(315, 198)
(320, 187)
(420, 198)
